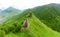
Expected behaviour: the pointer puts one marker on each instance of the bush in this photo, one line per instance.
(2, 33)
(6, 29)
(15, 27)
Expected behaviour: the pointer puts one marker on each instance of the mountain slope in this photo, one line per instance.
(40, 29)
(49, 15)
(36, 29)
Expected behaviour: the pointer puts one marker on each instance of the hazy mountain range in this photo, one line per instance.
(9, 12)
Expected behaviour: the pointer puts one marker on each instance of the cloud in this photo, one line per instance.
(23, 4)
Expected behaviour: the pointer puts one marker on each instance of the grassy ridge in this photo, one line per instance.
(35, 29)
(49, 15)
(38, 29)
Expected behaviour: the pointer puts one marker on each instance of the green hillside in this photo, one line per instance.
(44, 22)
(49, 15)
(35, 29)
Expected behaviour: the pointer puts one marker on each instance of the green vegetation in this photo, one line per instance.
(49, 15)
(38, 29)
(35, 29)
(2, 33)
(44, 22)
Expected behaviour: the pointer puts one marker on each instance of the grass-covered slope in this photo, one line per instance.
(38, 29)
(49, 14)
(35, 29)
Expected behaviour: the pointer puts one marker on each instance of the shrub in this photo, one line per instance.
(2, 33)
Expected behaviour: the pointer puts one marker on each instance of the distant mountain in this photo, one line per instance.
(11, 10)
(8, 13)
(0, 10)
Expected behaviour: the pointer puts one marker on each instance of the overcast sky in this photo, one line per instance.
(24, 4)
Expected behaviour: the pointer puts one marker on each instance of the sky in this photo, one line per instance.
(24, 4)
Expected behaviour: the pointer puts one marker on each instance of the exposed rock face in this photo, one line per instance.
(25, 24)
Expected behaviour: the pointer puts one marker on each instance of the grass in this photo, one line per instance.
(35, 29)
(38, 29)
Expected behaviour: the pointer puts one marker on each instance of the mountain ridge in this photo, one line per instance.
(36, 29)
